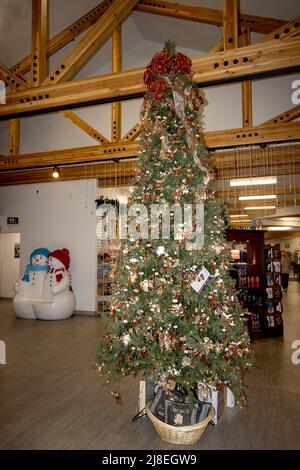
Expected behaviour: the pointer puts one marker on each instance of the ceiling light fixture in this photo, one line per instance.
(55, 172)
(253, 181)
(279, 228)
(256, 198)
(257, 208)
(238, 215)
(240, 221)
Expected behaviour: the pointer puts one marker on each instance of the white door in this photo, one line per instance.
(9, 263)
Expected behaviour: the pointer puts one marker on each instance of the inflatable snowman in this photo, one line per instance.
(57, 286)
(30, 287)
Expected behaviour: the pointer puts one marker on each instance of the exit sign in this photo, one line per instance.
(12, 220)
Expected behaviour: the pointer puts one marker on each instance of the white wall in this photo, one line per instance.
(143, 35)
(58, 215)
(9, 265)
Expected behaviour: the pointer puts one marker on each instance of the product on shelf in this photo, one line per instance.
(273, 290)
(248, 263)
(106, 262)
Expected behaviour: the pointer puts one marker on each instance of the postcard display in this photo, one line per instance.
(248, 272)
(273, 290)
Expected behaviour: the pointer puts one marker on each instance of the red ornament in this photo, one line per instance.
(158, 87)
(163, 63)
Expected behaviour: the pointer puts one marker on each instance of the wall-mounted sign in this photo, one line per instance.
(12, 220)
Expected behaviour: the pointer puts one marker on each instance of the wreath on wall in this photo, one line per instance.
(105, 200)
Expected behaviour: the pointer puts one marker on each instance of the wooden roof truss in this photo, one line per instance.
(233, 59)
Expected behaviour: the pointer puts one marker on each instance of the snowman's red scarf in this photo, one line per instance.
(59, 275)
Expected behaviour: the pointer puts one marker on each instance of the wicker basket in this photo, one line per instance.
(181, 434)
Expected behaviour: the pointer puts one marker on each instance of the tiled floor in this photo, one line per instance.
(51, 398)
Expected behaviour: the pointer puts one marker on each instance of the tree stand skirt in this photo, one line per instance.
(181, 434)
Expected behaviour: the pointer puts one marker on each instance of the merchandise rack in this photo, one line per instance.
(274, 307)
(106, 262)
(251, 284)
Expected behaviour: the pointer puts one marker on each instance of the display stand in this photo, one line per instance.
(108, 246)
(106, 262)
(273, 290)
(249, 268)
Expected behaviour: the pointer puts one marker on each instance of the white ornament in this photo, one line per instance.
(160, 250)
(126, 339)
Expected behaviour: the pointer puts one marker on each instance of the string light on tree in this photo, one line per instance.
(159, 324)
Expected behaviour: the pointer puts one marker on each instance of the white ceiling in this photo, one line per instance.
(15, 23)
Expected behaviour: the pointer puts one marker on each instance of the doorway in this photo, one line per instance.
(9, 263)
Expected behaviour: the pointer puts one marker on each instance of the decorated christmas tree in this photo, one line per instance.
(174, 316)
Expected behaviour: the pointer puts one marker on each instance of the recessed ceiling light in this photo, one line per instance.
(289, 219)
(253, 181)
(240, 221)
(256, 198)
(238, 215)
(257, 208)
(279, 228)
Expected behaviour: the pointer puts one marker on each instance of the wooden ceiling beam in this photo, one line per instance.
(234, 193)
(244, 172)
(231, 24)
(285, 31)
(246, 84)
(266, 160)
(120, 150)
(218, 47)
(286, 116)
(67, 35)
(39, 41)
(116, 67)
(83, 125)
(15, 83)
(89, 44)
(270, 59)
(213, 16)
(111, 151)
(203, 15)
(106, 173)
(14, 137)
(253, 135)
(12, 80)
(240, 207)
(132, 134)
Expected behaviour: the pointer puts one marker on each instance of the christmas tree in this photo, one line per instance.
(175, 315)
